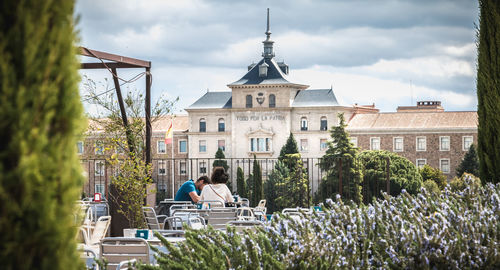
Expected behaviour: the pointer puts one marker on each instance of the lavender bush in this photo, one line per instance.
(453, 230)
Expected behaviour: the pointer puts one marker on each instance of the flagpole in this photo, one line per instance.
(172, 157)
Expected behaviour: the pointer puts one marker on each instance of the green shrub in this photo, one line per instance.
(40, 174)
(431, 187)
(429, 173)
(467, 179)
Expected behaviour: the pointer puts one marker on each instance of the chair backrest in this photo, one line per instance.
(218, 218)
(245, 202)
(262, 203)
(173, 223)
(242, 225)
(100, 230)
(196, 222)
(245, 213)
(150, 218)
(119, 249)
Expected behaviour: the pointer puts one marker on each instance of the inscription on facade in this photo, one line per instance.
(263, 117)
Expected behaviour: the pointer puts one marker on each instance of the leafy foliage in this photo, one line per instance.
(131, 185)
(431, 187)
(460, 183)
(402, 173)
(40, 176)
(452, 230)
(340, 152)
(488, 90)
(470, 163)
(429, 173)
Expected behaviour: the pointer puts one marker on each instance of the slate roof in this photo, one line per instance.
(315, 98)
(274, 74)
(413, 120)
(213, 100)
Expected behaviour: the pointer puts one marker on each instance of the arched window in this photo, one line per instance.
(249, 101)
(272, 101)
(222, 125)
(203, 125)
(323, 123)
(303, 123)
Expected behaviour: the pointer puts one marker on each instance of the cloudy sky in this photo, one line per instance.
(385, 52)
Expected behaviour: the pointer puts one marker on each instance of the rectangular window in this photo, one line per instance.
(354, 141)
(444, 165)
(203, 146)
(323, 144)
(79, 147)
(182, 146)
(444, 143)
(162, 167)
(99, 168)
(303, 145)
(203, 126)
(323, 124)
(182, 168)
(99, 188)
(162, 149)
(467, 141)
(398, 144)
(421, 144)
(260, 144)
(303, 124)
(421, 162)
(99, 148)
(203, 167)
(375, 143)
(221, 144)
(222, 126)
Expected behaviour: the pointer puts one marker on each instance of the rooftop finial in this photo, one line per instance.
(268, 33)
(268, 44)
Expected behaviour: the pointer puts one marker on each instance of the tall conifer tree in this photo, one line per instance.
(470, 163)
(257, 192)
(40, 175)
(488, 90)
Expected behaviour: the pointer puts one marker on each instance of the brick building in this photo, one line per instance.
(424, 134)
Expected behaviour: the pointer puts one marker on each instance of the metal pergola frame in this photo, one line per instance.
(112, 63)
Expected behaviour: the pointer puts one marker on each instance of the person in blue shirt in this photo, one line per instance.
(190, 190)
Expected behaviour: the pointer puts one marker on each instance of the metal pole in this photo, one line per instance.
(148, 115)
(128, 132)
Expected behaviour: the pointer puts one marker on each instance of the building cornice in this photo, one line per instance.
(410, 131)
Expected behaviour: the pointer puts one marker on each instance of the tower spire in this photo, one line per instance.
(268, 43)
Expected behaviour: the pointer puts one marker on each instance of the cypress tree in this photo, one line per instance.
(257, 193)
(220, 161)
(470, 163)
(240, 183)
(488, 90)
(40, 174)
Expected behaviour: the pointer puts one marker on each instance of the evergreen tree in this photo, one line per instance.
(436, 175)
(290, 147)
(40, 174)
(488, 90)
(241, 184)
(340, 152)
(295, 185)
(470, 163)
(257, 192)
(273, 187)
(220, 161)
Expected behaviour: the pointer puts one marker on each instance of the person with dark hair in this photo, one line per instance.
(217, 191)
(190, 190)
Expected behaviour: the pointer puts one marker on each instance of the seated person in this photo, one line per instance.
(190, 191)
(217, 191)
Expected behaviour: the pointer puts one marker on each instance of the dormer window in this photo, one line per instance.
(203, 125)
(263, 69)
(303, 123)
(249, 101)
(272, 101)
